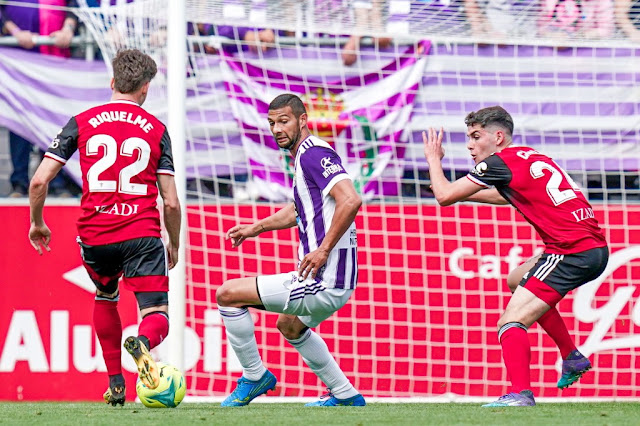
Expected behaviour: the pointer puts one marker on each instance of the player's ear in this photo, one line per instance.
(303, 120)
(113, 83)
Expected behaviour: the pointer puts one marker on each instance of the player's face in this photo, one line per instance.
(286, 129)
(482, 142)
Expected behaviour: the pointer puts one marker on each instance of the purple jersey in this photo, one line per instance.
(317, 169)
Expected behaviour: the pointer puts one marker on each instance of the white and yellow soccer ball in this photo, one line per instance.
(169, 393)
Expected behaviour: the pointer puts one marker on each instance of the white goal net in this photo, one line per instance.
(422, 322)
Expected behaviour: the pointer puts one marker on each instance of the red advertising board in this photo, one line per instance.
(421, 323)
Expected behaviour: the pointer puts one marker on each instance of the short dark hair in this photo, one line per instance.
(290, 100)
(490, 115)
(132, 69)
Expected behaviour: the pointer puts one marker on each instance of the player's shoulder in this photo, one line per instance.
(314, 149)
(314, 145)
(520, 153)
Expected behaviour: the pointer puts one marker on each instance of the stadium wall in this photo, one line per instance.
(421, 324)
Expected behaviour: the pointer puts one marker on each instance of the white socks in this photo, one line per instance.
(241, 336)
(316, 354)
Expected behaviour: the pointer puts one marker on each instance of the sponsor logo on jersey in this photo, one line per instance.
(118, 209)
(329, 167)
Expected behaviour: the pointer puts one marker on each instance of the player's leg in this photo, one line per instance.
(550, 280)
(316, 355)
(146, 273)
(523, 309)
(233, 298)
(104, 268)
(153, 329)
(154, 311)
(551, 322)
(554, 276)
(106, 322)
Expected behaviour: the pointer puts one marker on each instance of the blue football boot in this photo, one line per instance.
(328, 400)
(247, 390)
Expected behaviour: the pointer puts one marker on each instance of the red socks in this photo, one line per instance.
(155, 327)
(516, 352)
(106, 322)
(555, 327)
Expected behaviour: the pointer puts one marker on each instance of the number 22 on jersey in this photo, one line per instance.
(553, 185)
(129, 148)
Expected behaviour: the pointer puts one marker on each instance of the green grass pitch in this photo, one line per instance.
(606, 413)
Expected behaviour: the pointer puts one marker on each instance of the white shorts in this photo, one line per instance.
(309, 300)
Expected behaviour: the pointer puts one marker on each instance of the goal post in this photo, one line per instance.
(176, 124)
(432, 280)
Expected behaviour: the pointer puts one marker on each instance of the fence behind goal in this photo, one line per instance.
(422, 322)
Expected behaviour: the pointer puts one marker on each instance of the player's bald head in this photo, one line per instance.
(132, 69)
(289, 100)
(489, 117)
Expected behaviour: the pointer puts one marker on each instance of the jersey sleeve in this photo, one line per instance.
(65, 143)
(324, 167)
(492, 171)
(165, 164)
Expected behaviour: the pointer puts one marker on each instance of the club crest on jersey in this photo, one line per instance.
(480, 168)
(329, 167)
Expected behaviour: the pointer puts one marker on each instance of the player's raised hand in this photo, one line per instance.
(311, 263)
(433, 144)
(40, 236)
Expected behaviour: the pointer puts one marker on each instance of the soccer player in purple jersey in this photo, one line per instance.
(575, 247)
(324, 208)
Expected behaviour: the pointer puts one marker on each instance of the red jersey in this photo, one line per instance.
(545, 195)
(122, 149)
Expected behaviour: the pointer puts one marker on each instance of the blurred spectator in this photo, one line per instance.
(368, 17)
(627, 14)
(445, 17)
(22, 20)
(576, 19)
(502, 18)
(253, 39)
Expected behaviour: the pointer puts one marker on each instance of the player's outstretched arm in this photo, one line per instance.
(348, 203)
(488, 196)
(172, 215)
(282, 219)
(446, 192)
(39, 233)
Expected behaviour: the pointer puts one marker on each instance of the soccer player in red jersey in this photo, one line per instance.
(576, 251)
(126, 159)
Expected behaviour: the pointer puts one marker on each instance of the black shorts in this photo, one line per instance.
(565, 272)
(142, 263)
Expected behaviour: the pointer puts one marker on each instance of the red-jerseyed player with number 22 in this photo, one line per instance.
(575, 248)
(125, 157)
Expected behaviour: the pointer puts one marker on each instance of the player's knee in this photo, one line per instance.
(108, 289)
(226, 295)
(506, 319)
(112, 296)
(501, 322)
(289, 328)
(150, 300)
